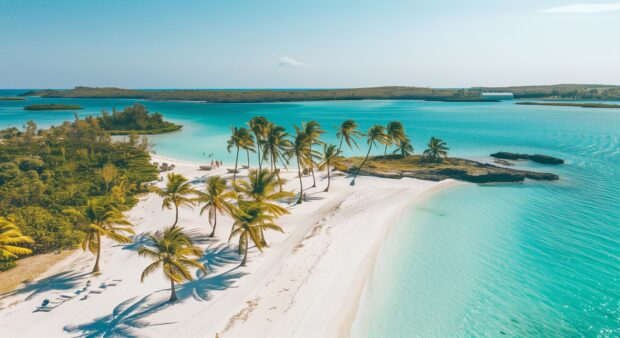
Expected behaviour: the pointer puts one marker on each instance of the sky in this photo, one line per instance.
(307, 44)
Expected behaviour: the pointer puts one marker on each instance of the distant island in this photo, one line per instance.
(135, 119)
(52, 106)
(558, 92)
(571, 104)
(12, 98)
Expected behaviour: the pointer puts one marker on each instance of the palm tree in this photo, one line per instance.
(100, 218)
(404, 148)
(348, 132)
(247, 142)
(275, 145)
(172, 251)
(258, 125)
(395, 133)
(330, 157)
(235, 141)
(250, 220)
(313, 132)
(261, 189)
(437, 148)
(216, 199)
(299, 148)
(375, 134)
(176, 194)
(10, 238)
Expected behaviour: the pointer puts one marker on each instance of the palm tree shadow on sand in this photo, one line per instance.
(124, 320)
(131, 315)
(142, 239)
(58, 282)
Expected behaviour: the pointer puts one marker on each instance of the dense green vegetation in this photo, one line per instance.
(52, 106)
(565, 92)
(45, 172)
(12, 98)
(569, 104)
(135, 119)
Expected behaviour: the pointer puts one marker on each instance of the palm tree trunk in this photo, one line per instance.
(236, 161)
(340, 145)
(263, 242)
(360, 167)
(275, 167)
(173, 294)
(259, 155)
(301, 186)
(176, 215)
(245, 255)
(328, 179)
(312, 168)
(248, 153)
(96, 267)
(385, 151)
(214, 224)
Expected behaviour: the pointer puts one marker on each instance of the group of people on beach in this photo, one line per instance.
(217, 164)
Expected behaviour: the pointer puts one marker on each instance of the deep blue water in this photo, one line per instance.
(532, 259)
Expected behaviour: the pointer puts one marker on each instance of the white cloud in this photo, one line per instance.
(286, 61)
(584, 8)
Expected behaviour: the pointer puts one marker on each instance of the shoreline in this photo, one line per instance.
(308, 282)
(350, 312)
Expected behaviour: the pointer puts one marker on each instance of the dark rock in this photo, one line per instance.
(544, 159)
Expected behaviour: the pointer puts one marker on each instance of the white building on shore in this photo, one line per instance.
(497, 96)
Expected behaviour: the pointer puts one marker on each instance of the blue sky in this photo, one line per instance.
(310, 44)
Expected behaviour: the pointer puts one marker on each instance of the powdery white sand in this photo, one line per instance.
(307, 283)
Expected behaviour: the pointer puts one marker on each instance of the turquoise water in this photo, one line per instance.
(533, 259)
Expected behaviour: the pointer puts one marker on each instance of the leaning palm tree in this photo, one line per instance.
(173, 252)
(330, 158)
(235, 141)
(216, 199)
(437, 149)
(348, 132)
(275, 145)
(250, 219)
(313, 132)
(261, 189)
(258, 125)
(10, 239)
(176, 193)
(247, 142)
(376, 134)
(299, 149)
(404, 148)
(395, 133)
(101, 219)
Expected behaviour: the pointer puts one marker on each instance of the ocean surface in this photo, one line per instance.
(532, 259)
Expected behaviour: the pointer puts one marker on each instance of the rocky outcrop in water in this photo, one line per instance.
(454, 168)
(544, 159)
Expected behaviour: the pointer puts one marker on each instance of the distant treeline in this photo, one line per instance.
(565, 92)
(135, 119)
(52, 106)
(12, 98)
(569, 104)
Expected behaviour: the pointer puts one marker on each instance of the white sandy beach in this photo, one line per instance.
(307, 283)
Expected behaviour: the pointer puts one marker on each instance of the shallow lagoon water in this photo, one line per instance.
(528, 259)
